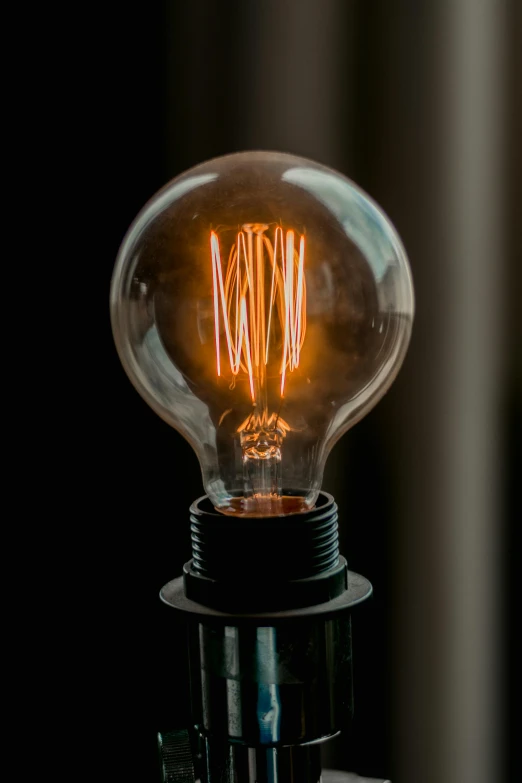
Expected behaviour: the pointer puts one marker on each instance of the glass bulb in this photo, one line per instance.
(261, 304)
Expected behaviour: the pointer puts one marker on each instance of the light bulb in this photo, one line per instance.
(262, 304)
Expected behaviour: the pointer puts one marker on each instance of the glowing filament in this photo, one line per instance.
(260, 299)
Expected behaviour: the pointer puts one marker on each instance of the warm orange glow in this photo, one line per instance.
(260, 299)
(267, 422)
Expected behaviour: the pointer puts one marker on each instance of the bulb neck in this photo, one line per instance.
(265, 563)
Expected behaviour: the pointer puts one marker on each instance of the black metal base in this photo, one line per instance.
(173, 594)
(295, 546)
(269, 639)
(256, 564)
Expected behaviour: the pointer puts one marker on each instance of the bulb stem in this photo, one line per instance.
(262, 478)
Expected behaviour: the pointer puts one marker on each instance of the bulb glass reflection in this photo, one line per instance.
(261, 304)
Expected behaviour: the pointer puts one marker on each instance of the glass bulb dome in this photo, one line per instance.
(262, 304)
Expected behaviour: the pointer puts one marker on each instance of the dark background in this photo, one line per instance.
(415, 100)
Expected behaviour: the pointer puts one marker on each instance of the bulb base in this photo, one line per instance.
(265, 563)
